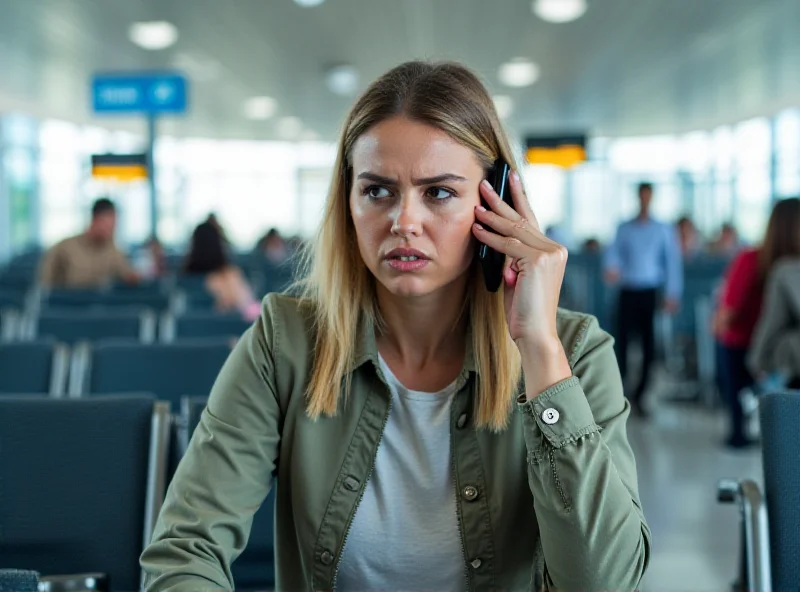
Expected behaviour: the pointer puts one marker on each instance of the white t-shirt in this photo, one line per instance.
(404, 535)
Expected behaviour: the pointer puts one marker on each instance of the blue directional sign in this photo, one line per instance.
(140, 93)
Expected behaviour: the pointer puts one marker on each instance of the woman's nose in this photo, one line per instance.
(407, 218)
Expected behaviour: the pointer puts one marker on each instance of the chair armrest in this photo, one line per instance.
(755, 531)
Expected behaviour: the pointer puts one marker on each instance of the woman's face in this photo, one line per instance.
(413, 205)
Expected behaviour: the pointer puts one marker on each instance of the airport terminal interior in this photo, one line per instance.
(165, 165)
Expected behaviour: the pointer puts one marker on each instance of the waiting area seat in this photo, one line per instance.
(199, 325)
(82, 483)
(770, 521)
(167, 370)
(9, 324)
(34, 367)
(84, 299)
(13, 297)
(93, 325)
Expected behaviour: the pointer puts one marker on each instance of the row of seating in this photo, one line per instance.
(263, 276)
(128, 439)
(74, 327)
(167, 370)
(109, 448)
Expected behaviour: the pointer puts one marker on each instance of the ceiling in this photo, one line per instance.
(626, 67)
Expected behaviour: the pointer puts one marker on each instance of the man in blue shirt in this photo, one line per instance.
(645, 260)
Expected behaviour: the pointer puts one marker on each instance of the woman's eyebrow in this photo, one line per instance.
(417, 182)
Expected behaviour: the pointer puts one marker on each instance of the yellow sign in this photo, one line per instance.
(564, 156)
(118, 172)
(120, 167)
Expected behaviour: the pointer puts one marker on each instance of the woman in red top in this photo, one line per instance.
(738, 313)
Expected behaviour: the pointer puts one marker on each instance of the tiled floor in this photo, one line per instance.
(680, 460)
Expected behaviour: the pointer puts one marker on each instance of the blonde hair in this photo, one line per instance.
(451, 98)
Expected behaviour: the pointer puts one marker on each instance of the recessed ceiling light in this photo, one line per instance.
(260, 108)
(504, 105)
(342, 79)
(289, 127)
(153, 35)
(559, 11)
(308, 3)
(519, 72)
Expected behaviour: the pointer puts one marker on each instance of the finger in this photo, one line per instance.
(521, 203)
(508, 245)
(496, 204)
(520, 228)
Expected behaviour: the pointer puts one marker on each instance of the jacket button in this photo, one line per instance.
(326, 557)
(470, 493)
(462, 421)
(551, 416)
(351, 484)
(476, 563)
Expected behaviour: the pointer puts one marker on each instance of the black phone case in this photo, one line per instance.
(493, 262)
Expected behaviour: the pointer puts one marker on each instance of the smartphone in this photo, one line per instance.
(493, 262)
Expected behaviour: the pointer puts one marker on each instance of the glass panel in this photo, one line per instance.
(594, 211)
(787, 144)
(752, 143)
(545, 189)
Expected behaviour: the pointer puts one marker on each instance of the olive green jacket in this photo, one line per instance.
(552, 499)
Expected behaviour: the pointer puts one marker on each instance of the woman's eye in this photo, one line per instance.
(439, 193)
(377, 192)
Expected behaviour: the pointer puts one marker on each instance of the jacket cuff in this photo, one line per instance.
(561, 413)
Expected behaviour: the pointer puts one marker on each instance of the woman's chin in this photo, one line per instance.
(409, 287)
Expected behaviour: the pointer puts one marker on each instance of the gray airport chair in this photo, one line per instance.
(75, 327)
(34, 367)
(770, 522)
(82, 484)
(198, 325)
(167, 370)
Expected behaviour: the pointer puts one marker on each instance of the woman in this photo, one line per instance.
(776, 343)
(223, 280)
(425, 433)
(741, 305)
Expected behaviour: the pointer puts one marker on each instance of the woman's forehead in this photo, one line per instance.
(399, 143)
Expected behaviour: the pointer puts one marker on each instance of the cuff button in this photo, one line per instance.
(551, 416)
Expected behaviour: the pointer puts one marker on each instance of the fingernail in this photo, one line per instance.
(486, 184)
(515, 176)
(481, 209)
(478, 226)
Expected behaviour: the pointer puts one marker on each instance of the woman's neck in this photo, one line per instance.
(420, 331)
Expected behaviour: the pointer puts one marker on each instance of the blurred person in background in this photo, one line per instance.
(214, 221)
(775, 349)
(727, 244)
(645, 260)
(207, 256)
(741, 304)
(592, 245)
(90, 259)
(689, 238)
(273, 247)
(423, 433)
(151, 260)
